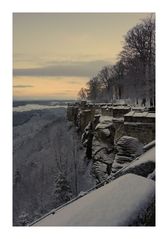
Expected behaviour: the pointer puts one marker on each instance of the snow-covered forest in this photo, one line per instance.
(49, 165)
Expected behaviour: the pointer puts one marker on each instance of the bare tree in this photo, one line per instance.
(105, 78)
(82, 94)
(133, 76)
(140, 44)
(94, 89)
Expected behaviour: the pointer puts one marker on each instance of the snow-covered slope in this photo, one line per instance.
(125, 201)
(46, 151)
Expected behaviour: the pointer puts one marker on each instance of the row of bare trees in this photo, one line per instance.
(133, 75)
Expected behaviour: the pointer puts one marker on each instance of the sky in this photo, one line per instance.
(55, 54)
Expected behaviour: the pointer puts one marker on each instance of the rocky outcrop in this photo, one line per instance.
(128, 148)
(113, 135)
(84, 117)
(117, 159)
(137, 122)
(144, 165)
(86, 139)
(104, 134)
(72, 112)
(98, 138)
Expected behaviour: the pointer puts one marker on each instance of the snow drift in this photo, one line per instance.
(128, 200)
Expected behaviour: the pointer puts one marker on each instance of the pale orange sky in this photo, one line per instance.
(48, 88)
(55, 54)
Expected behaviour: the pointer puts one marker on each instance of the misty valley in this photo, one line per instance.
(49, 164)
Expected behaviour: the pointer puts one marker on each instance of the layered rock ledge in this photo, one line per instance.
(113, 135)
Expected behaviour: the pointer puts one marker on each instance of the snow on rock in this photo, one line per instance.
(98, 138)
(149, 146)
(140, 114)
(102, 147)
(104, 155)
(128, 149)
(129, 146)
(105, 119)
(103, 135)
(106, 132)
(138, 108)
(126, 201)
(143, 166)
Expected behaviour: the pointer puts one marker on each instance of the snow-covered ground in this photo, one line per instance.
(125, 201)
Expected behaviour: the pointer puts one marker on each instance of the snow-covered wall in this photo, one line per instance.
(126, 201)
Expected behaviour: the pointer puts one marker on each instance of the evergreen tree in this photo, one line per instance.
(63, 190)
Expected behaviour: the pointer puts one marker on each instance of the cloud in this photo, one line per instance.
(74, 68)
(22, 86)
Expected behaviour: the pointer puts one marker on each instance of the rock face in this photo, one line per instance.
(143, 166)
(72, 112)
(102, 125)
(104, 134)
(103, 148)
(137, 122)
(87, 137)
(98, 138)
(128, 148)
(83, 118)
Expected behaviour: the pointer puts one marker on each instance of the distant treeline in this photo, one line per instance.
(133, 75)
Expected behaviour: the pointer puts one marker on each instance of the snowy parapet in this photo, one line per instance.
(128, 200)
